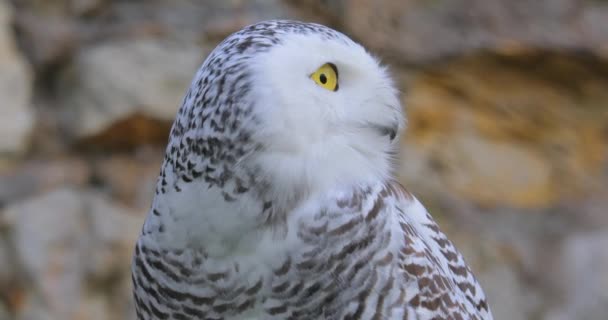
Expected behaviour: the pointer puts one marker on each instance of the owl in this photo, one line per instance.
(277, 199)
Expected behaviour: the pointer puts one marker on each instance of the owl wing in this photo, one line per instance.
(446, 287)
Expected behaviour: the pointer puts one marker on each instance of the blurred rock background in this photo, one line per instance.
(506, 145)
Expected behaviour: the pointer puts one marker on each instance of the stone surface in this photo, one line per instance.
(87, 7)
(48, 33)
(48, 233)
(491, 130)
(506, 147)
(113, 81)
(420, 31)
(15, 89)
(495, 266)
(130, 179)
(34, 177)
(128, 134)
(3, 312)
(582, 277)
(68, 241)
(5, 266)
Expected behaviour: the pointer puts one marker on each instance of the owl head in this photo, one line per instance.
(289, 105)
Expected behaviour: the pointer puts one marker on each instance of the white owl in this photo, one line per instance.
(276, 198)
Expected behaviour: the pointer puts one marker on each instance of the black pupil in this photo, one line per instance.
(323, 78)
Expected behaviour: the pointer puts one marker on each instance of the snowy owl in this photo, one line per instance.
(276, 198)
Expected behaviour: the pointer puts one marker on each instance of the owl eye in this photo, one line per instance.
(326, 76)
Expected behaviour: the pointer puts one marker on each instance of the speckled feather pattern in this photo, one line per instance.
(222, 242)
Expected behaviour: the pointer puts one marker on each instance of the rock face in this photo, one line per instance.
(492, 131)
(114, 81)
(15, 89)
(506, 142)
(69, 242)
(419, 31)
(585, 262)
(35, 177)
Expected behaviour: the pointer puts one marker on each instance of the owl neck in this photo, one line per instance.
(219, 218)
(227, 207)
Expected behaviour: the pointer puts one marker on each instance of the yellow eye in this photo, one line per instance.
(326, 76)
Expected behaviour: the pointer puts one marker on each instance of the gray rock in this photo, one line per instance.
(507, 295)
(34, 308)
(3, 313)
(496, 266)
(34, 177)
(48, 233)
(15, 89)
(111, 81)
(581, 278)
(7, 274)
(6, 266)
(113, 231)
(85, 7)
(47, 39)
(130, 180)
(70, 243)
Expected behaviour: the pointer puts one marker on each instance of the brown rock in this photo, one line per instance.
(127, 134)
(130, 179)
(523, 131)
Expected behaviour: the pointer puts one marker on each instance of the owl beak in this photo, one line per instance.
(393, 134)
(390, 131)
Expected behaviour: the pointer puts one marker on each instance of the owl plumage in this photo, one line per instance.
(276, 198)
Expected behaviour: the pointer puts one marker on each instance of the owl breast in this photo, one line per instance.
(331, 251)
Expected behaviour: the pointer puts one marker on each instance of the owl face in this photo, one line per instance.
(328, 112)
